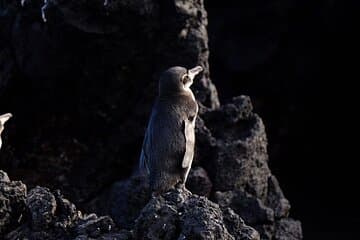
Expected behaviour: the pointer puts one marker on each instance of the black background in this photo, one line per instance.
(297, 61)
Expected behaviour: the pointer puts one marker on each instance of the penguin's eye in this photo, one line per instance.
(185, 79)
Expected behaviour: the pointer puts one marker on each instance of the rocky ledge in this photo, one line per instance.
(43, 214)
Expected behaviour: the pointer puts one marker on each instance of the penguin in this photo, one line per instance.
(3, 119)
(168, 147)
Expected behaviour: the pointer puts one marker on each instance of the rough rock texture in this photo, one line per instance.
(236, 226)
(175, 215)
(42, 205)
(12, 202)
(81, 87)
(288, 229)
(242, 178)
(241, 156)
(185, 216)
(276, 199)
(125, 199)
(199, 182)
(47, 215)
(251, 208)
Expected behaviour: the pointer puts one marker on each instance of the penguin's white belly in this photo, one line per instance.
(190, 142)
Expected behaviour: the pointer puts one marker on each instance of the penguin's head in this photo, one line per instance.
(177, 79)
(3, 119)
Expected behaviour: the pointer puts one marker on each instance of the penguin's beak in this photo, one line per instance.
(194, 71)
(5, 117)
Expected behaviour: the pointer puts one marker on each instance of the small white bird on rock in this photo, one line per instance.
(3, 119)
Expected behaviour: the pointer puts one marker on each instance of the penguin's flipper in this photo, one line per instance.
(143, 164)
(189, 132)
(146, 150)
(4, 118)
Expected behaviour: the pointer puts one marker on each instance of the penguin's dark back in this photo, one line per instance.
(183, 105)
(167, 123)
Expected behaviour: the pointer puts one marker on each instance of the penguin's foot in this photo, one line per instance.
(181, 187)
(187, 191)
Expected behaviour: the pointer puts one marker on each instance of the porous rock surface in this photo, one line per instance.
(47, 215)
(12, 202)
(184, 216)
(239, 169)
(175, 215)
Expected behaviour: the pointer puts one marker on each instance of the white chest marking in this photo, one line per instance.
(187, 89)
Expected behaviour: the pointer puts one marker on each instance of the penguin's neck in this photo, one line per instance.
(184, 93)
(189, 92)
